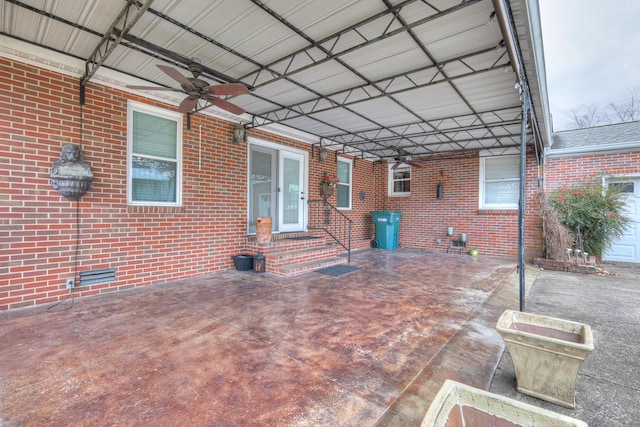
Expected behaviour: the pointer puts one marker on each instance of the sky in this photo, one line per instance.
(592, 53)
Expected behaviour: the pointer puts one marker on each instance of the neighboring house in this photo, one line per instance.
(608, 154)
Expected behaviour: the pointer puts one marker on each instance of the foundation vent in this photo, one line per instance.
(102, 275)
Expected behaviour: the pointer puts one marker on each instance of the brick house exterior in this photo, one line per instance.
(40, 112)
(589, 155)
(584, 155)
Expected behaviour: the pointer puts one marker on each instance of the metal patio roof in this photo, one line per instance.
(366, 77)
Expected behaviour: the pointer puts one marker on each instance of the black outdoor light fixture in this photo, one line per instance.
(239, 134)
(439, 188)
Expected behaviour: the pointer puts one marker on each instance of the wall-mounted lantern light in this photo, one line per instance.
(239, 134)
(324, 153)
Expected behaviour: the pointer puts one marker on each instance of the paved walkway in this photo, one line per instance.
(608, 385)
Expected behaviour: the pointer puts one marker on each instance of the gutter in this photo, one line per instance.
(599, 149)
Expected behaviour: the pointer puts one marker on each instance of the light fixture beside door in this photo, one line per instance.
(239, 134)
(322, 156)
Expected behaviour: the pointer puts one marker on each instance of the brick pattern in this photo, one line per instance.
(40, 112)
(287, 257)
(426, 218)
(577, 170)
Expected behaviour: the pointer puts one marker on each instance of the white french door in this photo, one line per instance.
(291, 193)
(276, 186)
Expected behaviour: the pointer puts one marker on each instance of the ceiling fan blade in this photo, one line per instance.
(187, 104)
(176, 75)
(413, 164)
(153, 88)
(395, 166)
(225, 105)
(227, 89)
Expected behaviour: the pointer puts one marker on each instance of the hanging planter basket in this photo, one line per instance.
(326, 192)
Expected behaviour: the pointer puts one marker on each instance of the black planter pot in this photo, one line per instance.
(243, 262)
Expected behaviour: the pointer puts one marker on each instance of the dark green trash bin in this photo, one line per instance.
(387, 227)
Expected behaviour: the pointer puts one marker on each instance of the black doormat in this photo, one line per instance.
(337, 270)
(303, 238)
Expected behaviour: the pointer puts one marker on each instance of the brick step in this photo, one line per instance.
(282, 245)
(277, 259)
(289, 257)
(309, 266)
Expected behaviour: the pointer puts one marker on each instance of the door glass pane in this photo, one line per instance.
(623, 187)
(260, 186)
(291, 191)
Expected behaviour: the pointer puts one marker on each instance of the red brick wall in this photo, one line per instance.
(577, 170)
(426, 218)
(40, 113)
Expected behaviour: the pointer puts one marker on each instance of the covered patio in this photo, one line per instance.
(370, 347)
(413, 102)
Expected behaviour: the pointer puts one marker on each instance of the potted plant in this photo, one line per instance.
(473, 251)
(328, 184)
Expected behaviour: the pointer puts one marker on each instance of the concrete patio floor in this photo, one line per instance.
(371, 347)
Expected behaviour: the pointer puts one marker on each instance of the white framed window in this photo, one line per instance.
(154, 156)
(344, 186)
(399, 180)
(499, 182)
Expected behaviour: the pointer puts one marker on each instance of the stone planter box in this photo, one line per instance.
(546, 354)
(459, 405)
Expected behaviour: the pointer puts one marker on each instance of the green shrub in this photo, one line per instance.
(595, 216)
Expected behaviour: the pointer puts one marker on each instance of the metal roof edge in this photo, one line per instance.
(526, 18)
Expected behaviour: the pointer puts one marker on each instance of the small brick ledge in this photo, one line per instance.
(569, 266)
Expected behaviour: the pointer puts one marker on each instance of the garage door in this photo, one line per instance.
(627, 248)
